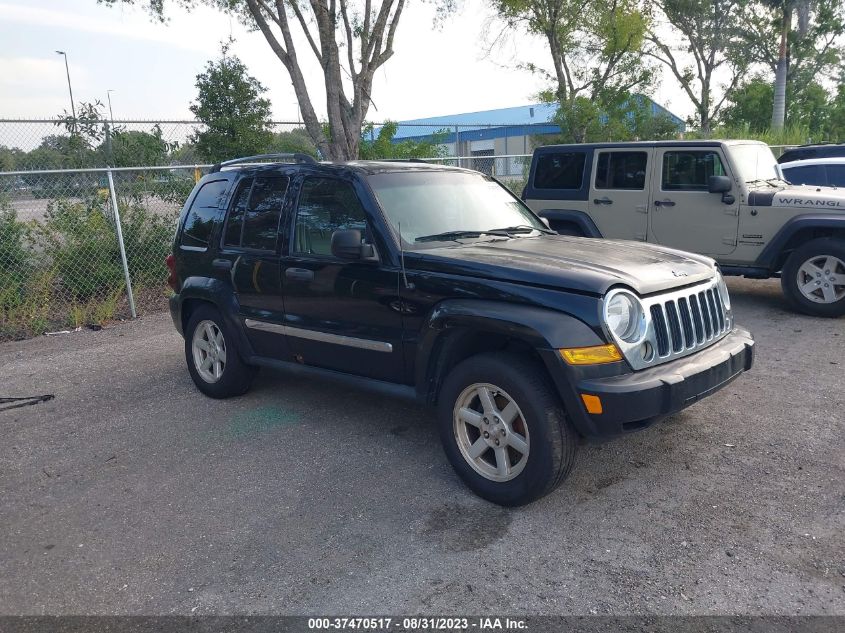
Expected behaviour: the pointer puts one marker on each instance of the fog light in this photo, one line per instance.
(592, 403)
(591, 355)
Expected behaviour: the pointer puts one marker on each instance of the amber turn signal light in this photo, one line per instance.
(592, 403)
(591, 355)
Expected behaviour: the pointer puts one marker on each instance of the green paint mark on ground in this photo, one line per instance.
(261, 420)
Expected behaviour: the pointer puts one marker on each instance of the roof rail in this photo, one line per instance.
(297, 158)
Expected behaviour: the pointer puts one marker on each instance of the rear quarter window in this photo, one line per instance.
(560, 170)
(204, 213)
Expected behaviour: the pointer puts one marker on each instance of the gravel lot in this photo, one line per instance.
(132, 493)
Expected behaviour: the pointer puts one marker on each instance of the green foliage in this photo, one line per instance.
(835, 128)
(811, 112)
(235, 115)
(294, 141)
(383, 146)
(582, 121)
(15, 258)
(133, 148)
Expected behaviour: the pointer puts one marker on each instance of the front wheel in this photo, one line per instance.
(213, 358)
(813, 278)
(504, 429)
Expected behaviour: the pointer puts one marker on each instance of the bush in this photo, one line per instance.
(15, 258)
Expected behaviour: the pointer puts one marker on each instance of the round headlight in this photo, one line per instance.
(723, 290)
(623, 315)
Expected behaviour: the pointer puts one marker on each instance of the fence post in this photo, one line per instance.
(113, 197)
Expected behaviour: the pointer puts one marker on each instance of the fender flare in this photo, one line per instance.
(541, 328)
(223, 297)
(769, 257)
(580, 219)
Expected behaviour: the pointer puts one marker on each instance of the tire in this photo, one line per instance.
(540, 422)
(813, 278)
(226, 374)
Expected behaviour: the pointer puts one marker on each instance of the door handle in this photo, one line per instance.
(604, 200)
(222, 264)
(664, 203)
(299, 274)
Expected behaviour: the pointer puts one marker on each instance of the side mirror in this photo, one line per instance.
(347, 243)
(719, 184)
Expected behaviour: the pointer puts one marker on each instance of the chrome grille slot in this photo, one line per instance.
(661, 332)
(679, 323)
(674, 326)
(686, 321)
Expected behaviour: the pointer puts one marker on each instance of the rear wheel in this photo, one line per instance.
(813, 277)
(504, 429)
(214, 361)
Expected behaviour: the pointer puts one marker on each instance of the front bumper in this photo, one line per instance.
(635, 400)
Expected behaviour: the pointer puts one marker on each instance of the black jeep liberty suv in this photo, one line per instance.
(437, 282)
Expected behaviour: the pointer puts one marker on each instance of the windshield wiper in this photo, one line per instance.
(774, 182)
(457, 235)
(525, 228)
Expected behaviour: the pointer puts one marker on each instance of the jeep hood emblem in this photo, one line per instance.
(679, 273)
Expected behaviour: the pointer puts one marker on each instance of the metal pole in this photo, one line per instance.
(111, 114)
(70, 90)
(122, 248)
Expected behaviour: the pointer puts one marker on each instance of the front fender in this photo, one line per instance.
(770, 256)
(540, 328)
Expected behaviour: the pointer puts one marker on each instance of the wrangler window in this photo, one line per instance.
(561, 170)
(621, 170)
(690, 170)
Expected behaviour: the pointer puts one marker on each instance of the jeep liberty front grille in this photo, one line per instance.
(679, 323)
(688, 322)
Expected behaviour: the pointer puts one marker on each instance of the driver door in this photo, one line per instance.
(683, 213)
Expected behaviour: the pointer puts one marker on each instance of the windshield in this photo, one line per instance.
(755, 162)
(427, 204)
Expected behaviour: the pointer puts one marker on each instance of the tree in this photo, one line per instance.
(133, 148)
(294, 141)
(235, 115)
(751, 108)
(629, 119)
(710, 33)
(796, 56)
(384, 146)
(595, 52)
(835, 126)
(330, 27)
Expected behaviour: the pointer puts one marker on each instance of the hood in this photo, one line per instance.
(802, 197)
(569, 263)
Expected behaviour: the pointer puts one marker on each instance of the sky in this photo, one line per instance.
(151, 68)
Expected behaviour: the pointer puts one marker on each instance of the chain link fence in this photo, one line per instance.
(73, 244)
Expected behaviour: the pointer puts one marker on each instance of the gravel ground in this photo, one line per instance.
(131, 493)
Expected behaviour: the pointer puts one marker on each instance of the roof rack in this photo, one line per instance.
(296, 158)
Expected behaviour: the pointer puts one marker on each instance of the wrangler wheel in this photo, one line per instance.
(813, 278)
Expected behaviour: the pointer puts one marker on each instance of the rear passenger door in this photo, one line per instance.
(340, 314)
(619, 194)
(250, 255)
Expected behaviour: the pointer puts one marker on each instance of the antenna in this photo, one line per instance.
(408, 285)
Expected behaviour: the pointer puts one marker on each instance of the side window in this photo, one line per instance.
(325, 205)
(235, 221)
(261, 222)
(690, 170)
(806, 175)
(563, 170)
(621, 170)
(836, 175)
(203, 213)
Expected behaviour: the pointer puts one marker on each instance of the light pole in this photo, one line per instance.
(70, 90)
(111, 114)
